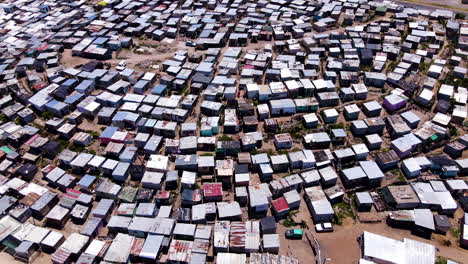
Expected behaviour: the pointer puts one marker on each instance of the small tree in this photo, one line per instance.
(460, 16)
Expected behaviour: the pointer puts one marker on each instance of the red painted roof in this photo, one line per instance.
(163, 195)
(43, 47)
(213, 189)
(31, 140)
(40, 85)
(72, 193)
(280, 204)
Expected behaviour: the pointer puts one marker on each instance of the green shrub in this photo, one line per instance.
(47, 115)
(225, 138)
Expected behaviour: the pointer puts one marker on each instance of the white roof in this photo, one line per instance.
(441, 119)
(119, 250)
(363, 261)
(52, 239)
(75, 242)
(426, 94)
(360, 148)
(377, 247)
(228, 209)
(96, 161)
(165, 211)
(330, 112)
(158, 162)
(411, 165)
(95, 247)
(152, 177)
(8, 225)
(231, 258)
(151, 247)
(465, 232)
(188, 177)
(37, 234)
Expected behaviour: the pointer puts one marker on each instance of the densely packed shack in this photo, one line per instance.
(205, 131)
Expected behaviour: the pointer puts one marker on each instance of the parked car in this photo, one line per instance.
(121, 66)
(294, 234)
(190, 44)
(324, 227)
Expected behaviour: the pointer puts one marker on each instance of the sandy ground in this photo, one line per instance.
(341, 246)
(7, 258)
(142, 56)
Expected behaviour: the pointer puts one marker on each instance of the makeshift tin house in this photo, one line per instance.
(364, 201)
(92, 227)
(280, 208)
(152, 180)
(318, 204)
(44, 204)
(57, 216)
(52, 241)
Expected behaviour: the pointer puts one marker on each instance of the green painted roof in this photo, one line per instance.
(381, 9)
(297, 232)
(6, 149)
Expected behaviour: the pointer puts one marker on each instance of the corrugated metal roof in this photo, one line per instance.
(97, 248)
(212, 189)
(151, 247)
(237, 236)
(221, 234)
(180, 251)
(203, 232)
(8, 225)
(75, 242)
(377, 247)
(119, 250)
(280, 204)
(61, 256)
(230, 258)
